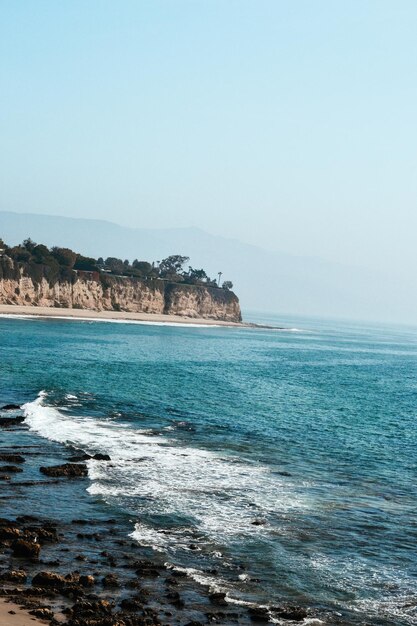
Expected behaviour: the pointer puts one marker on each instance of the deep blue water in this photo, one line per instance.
(273, 464)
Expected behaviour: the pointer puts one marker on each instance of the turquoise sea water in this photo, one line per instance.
(276, 465)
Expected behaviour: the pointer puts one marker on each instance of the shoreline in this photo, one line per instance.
(11, 614)
(114, 316)
(125, 317)
(82, 568)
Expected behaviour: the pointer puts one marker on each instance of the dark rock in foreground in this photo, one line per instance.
(293, 613)
(69, 470)
(10, 469)
(13, 576)
(7, 422)
(76, 458)
(26, 548)
(9, 457)
(43, 613)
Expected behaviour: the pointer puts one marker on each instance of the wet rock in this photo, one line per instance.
(76, 458)
(87, 581)
(258, 522)
(54, 563)
(131, 604)
(175, 599)
(258, 614)
(110, 580)
(26, 548)
(13, 576)
(147, 568)
(10, 407)
(134, 584)
(68, 470)
(5, 477)
(218, 597)
(294, 613)
(49, 579)
(10, 469)
(92, 612)
(217, 618)
(101, 457)
(28, 519)
(42, 613)
(9, 533)
(46, 534)
(11, 458)
(7, 422)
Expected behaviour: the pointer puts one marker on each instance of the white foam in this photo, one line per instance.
(220, 496)
(147, 536)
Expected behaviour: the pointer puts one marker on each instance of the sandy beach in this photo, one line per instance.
(121, 316)
(12, 615)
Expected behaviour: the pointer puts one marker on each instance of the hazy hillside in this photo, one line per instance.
(264, 280)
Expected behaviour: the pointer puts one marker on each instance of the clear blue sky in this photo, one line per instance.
(290, 124)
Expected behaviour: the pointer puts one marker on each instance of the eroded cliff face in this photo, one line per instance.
(201, 301)
(111, 293)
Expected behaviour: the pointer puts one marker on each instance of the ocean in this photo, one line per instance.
(273, 465)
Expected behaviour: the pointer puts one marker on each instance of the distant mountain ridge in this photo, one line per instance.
(264, 280)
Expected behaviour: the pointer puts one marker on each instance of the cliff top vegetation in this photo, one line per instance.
(61, 263)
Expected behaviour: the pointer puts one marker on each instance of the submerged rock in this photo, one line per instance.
(218, 597)
(11, 458)
(76, 458)
(258, 614)
(69, 470)
(294, 613)
(6, 422)
(10, 469)
(110, 580)
(131, 604)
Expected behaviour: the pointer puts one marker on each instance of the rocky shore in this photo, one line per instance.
(84, 570)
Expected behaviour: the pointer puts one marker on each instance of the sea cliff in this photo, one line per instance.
(103, 292)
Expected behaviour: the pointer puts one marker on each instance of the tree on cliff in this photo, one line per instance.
(29, 245)
(85, 263)
(170, 268)
(64, 256)
(195, 277)
(116, 266)
(227, 285)
(143, 268)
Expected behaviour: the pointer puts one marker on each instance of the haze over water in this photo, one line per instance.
(276, 465)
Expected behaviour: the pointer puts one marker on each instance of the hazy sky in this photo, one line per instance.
(290, 124)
